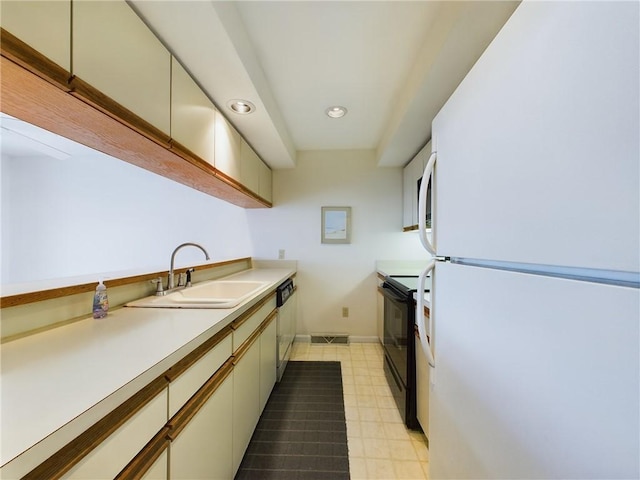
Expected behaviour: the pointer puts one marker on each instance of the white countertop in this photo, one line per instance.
(401, 267)
(57, 383)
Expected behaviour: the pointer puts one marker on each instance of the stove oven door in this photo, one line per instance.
(395, 342)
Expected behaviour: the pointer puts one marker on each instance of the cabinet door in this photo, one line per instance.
(193, 115)
(249, 168)
(266, 187)
(108, 459)
(380, 316)
(115, 52)
(203, 448)
(246, 401)
(227, 148)
(43, 25)
(268, 360)
(407, 197)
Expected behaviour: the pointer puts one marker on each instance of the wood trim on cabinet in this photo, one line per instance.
(183, 365)
(246, 315)
(143, 461)
(267, 321)
(248, 343)
(182, 418)
(64, 459)
(94, 97)
(21, 53)
(31, 297)
(80, 116)
(186, 154)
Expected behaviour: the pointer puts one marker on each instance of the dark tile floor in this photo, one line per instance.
(302, 433)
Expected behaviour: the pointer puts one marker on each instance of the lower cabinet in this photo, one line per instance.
(254, 375)
(268, 362)
(246, 401)
(202, 450)
(192, 422)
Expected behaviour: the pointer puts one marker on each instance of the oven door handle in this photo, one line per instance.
(424, 330)
(390, 295)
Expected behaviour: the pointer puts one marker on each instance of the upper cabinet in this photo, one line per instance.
(249, 167)
(115, 53)
(103, 59)
(193, 116)
(254, 173)
(45, 26)
(228, 148)
(266, 178)
(412, 174)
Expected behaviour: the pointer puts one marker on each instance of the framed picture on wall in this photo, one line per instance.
(336, 224)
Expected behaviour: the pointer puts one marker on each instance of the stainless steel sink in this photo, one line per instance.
(212, 294)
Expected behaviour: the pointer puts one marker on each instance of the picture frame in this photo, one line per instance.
(336, 225)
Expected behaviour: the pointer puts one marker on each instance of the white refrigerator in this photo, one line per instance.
(536, 223)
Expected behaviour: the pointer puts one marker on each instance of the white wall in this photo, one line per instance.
(92, 214)
(332, 276)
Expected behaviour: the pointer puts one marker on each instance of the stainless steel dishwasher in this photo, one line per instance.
(286, 323)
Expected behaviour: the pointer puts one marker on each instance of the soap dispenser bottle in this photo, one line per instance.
(100, 301)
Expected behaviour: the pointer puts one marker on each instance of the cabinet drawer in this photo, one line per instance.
(186, 384)
(113, 454)
(248, 323)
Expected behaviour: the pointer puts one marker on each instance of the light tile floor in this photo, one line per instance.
(380, 446)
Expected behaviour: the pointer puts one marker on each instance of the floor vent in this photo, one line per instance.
(334, 338)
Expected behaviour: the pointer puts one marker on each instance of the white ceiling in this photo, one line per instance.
(392, 64)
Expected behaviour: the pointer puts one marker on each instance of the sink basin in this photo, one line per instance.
(212, 294)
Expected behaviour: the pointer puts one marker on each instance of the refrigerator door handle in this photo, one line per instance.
(422, 205)
(424, 330)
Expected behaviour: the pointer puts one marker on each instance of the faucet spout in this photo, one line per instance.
(170, 282)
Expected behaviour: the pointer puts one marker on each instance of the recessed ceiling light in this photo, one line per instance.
(241, 107)
(336, 111)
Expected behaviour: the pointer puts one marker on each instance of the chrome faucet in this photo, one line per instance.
(170, 284)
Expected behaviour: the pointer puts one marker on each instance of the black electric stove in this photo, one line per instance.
(399, 344)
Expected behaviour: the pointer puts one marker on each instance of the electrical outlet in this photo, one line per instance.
(345, 312)
(281, 254)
